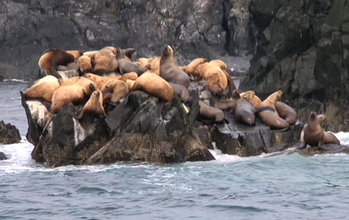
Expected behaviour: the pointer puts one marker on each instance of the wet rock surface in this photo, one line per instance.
(9, 134)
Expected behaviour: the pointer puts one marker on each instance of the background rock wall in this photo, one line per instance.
(298, 46)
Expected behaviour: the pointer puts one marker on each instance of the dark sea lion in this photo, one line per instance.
(270, 117)
(286, 112)
(52, 58)
(181, 91)
(313, 135)
(126, 66)
(244, 111)
(210, 112)
(169, 69)
(154, 85)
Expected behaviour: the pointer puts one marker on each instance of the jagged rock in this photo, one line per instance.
(237, 139)
(139, 128)
(9, 134)
(2, 156)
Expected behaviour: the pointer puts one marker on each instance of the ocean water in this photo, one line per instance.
(231, 187)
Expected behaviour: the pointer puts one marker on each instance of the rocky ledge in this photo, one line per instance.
(141, 128)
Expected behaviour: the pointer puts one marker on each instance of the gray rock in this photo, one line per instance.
(237, 139)
(3, 156)
(9, 134)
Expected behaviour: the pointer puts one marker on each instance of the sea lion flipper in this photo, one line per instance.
(304, 145)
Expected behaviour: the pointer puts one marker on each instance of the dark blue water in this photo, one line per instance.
(264, 187)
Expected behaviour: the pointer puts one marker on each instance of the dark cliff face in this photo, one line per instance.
(193, 28)
(303, 49)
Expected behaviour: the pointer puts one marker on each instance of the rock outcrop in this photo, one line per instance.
(138, 129)
(9, 134)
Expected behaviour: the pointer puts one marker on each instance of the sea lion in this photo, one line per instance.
(154, 85)
(118, 90)
(244, 111)
(128, 52)
(51, 58)
(43, 88)
(226, 104)
(75, 53)
(100, 81)
(286, 112)
(190, 69)
(93, 106)
(77, 93)
(313, 135)
(104, 61)
(153, 63)
(268, 114)
(84, 63)
(252, 97)
(126, 66)
(126, 76)
(210, 112)
(181, 91)
(214, 76)
(169, 69)
(68, 81)
(90, 53)
(143, 62)
(130, 83)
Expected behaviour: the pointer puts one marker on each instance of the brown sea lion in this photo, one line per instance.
(286, 112)
(143, 62)
(100, 81)
(94, 105)
(84, 63)
(210, 112)
(68, 81)
(75, 53)
(78, 93)
(269, 115)
(90, 53)
(130, 83)
(51, 58)
(252, 97)
(181, 91)
(118, 90)
(154, 85)
(169, 69)
(126, 66)
(42, 88)
(244, 111)
(313, 135)
(153, 63)
(214, 76)
(190, 69)
(104, 61)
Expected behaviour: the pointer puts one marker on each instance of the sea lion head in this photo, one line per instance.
(167, 50)
(312, 116)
